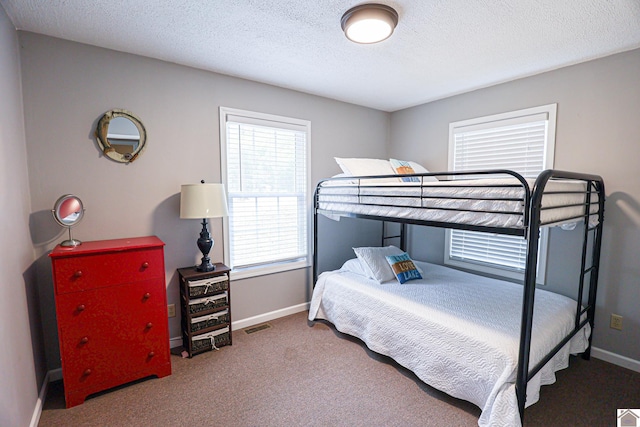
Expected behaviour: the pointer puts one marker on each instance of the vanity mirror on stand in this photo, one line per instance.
(121, 135)
(68, 211)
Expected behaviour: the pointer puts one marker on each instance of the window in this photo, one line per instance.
(265, 166)
(522, 141)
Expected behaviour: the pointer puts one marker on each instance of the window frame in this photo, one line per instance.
(547, 160)
(253, 117)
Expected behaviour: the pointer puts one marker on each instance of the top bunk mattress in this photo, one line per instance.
(486, 202)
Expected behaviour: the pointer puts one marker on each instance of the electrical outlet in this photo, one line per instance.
(616, 322)
(171, 310)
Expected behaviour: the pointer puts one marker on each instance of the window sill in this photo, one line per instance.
(495, 272)
(245, 273)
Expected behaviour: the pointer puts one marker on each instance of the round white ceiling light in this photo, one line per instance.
(369, 23)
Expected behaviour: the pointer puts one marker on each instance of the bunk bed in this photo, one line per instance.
(417, 324)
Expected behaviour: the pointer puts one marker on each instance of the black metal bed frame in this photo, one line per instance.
(529, 230)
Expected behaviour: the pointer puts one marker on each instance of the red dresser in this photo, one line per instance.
(111, 305)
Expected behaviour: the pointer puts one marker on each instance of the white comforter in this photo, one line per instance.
(456, 331)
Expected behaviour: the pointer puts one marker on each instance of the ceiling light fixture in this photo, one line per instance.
(369, 23)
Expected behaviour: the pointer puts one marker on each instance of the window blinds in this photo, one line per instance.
(267, 191)
(516, 143)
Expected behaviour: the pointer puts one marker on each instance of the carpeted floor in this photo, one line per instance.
(300, 374)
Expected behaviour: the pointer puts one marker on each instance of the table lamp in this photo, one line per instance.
(203, 201)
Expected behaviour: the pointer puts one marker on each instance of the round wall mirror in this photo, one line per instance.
(121, 135)
(68, 211)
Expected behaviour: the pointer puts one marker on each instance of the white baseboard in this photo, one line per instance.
(261, 318)
(37, 411)
(250, 321)
(616, 359)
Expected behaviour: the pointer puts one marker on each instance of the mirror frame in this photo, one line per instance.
(71, 242)
(103, 129)
(58, 205)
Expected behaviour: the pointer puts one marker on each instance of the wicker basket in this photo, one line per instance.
(209, 303)
(199, 288)
(210, 340)
(209, 321)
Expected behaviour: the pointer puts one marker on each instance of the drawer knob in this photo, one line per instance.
(146, 296)
(145, 265)
(86, 372)
(151, 354)
(84, 340)
(81, 307)
(149, 325)
(77, 274)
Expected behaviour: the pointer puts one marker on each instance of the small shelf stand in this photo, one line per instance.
(206, 308)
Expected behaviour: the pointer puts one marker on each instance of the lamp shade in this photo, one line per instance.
(203, 201)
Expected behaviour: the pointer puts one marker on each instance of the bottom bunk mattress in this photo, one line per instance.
(458, 332)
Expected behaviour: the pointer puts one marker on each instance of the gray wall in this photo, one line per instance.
(65, 88)
(597, 132)
(21, 358)
(68, 86)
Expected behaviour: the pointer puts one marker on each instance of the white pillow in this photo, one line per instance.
(374, 262)
(365, 167)
(354, 266)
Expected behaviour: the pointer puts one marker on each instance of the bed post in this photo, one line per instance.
(315, 236)
(595, 259)
(529, 291)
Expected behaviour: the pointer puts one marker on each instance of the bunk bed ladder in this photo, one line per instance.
(401, 235)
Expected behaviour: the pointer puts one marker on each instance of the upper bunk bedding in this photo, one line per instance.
(494, 201)
(456, 331)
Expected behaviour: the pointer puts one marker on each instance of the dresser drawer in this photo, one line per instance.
(204, 323)
(210, 340)
(97, 271)
(206, 287)
(202, 306)
(112, 333)
(133, 312)
(91, 370)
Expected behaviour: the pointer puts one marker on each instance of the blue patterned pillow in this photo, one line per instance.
(404, 168)
(403, 267)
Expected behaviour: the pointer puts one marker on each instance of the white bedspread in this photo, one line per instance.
(456, 331)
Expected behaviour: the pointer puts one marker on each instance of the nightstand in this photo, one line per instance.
(206, 308)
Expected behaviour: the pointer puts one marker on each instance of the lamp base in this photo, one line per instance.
(205, 266)
(205, 243)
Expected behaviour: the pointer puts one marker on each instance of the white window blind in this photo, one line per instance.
(266, 159)
(521, 141)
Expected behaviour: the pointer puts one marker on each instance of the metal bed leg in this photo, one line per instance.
(526, 325)
(315, 238)
(595, 263)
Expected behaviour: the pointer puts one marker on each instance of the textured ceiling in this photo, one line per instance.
(440, 47)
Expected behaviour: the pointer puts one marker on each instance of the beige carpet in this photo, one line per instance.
(301, 374)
